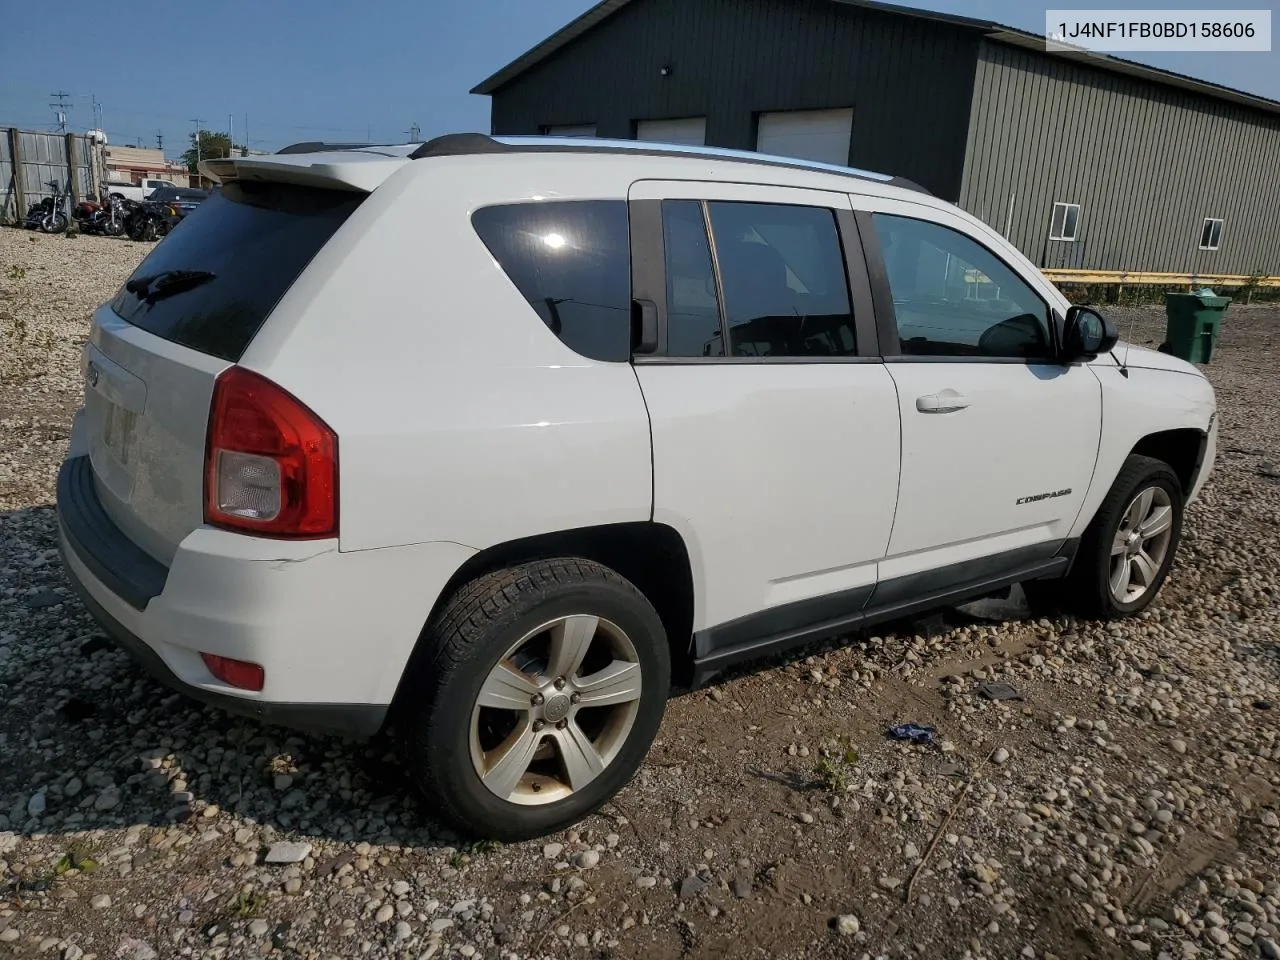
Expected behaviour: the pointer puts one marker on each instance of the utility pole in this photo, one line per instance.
(61, 107)
(415, 133)
(231, 133)
(97, 111)
(244, 151)
(196, 121)
(160, 141)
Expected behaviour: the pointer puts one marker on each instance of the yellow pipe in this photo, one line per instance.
(1166, 279)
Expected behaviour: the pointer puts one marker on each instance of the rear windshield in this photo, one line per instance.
(215, 279)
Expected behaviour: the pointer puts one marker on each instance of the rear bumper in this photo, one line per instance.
(332, 631)
(345, 719)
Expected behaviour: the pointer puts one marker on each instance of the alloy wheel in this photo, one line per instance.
(555, 710)
(1140, 544)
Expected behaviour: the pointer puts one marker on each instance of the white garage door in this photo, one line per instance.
(691, 131)
(821, 135)
(572, 130)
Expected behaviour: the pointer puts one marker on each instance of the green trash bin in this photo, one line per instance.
(1194, 319)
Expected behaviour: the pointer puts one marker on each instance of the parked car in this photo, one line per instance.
(182, 199)
(126, 190)
(487, 442)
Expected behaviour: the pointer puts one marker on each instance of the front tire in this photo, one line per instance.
(534, 698)
(1127, 551)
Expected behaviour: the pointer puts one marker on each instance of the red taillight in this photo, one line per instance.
(236, 673)
(271, 465)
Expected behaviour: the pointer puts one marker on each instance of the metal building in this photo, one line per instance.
(1085, 162)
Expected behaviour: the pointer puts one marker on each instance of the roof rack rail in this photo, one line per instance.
(469, 144)
(318, 146)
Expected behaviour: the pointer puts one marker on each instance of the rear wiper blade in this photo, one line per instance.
(166, 284)
(138, 284)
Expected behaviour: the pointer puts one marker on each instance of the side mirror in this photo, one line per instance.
(1086, 334)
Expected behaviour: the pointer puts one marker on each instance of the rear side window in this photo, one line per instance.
(571, 260)
(216, 278)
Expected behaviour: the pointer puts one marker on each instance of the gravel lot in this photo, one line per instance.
(1127, 806)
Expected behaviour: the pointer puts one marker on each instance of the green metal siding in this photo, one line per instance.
(908, 81)
(1147, 163)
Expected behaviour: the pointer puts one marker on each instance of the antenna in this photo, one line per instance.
(61, 108)
(1128, 343)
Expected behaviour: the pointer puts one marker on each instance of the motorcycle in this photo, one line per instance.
(105, 217)
(149, 221)
(50, 214)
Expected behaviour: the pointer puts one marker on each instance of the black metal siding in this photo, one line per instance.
(909, 82)
(1146, 162)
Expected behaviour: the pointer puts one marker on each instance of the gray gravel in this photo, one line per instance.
(1126, 806)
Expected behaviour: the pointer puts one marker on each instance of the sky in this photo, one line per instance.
(332, 70)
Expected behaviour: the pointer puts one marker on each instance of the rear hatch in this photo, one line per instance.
(187, 313)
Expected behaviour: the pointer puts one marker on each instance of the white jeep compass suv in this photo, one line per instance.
(489, 438)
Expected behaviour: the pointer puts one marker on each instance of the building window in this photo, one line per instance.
(1066, 221)
(1211, 234)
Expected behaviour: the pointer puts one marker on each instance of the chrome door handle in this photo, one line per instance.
(945, 402)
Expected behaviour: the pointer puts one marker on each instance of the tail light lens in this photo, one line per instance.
(271, 464)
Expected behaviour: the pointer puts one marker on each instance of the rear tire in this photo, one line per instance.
(499, 727)
(1126, 552)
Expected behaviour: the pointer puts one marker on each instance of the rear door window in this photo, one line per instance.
(781, 274)
(693, 310)
(571, 259)
(786, 293)
(212, 283)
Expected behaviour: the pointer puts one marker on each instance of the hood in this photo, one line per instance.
(1144, 358)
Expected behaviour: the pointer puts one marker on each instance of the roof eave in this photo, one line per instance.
(540, 51)
(989, 29)
(1168, 78)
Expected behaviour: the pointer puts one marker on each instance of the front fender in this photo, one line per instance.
(1146, 402)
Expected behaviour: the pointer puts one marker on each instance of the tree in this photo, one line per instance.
(213, 144)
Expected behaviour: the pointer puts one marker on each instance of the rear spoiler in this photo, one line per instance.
(336, 170)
